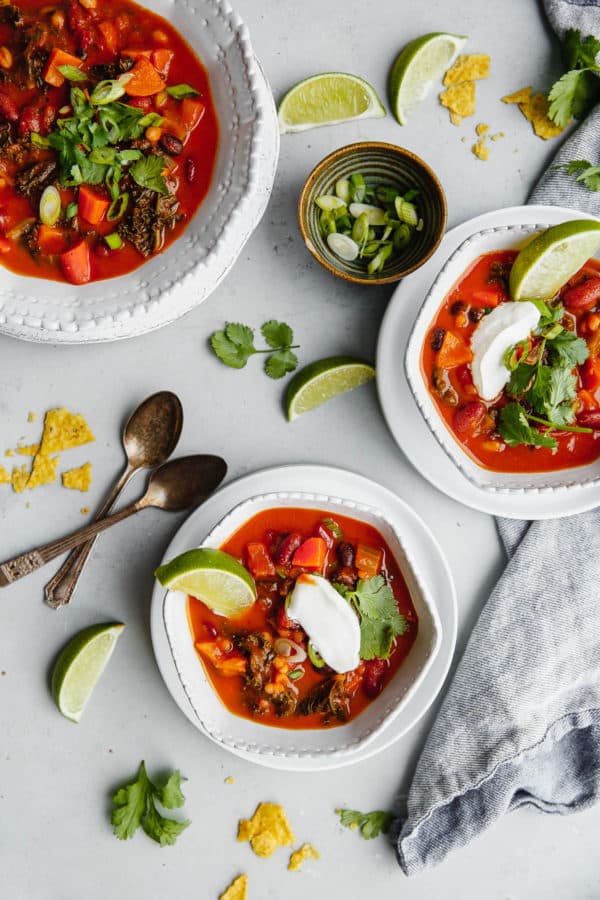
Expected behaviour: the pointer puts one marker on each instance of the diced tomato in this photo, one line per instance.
(144, 103)
(283, 623)
(225, 664)
(50, 240)
(76, 263)
(123, 25)
(310, 554)
(161, 60)
(487, 296)
(37, 119)
(590, 374)
(59, 58)
(259, 562)
(287, 548)
(375, 670)
(588, 400)
(5, 245)
(145, 81)
(8, 108)
(368, 560)
(91, 206)
(583, 296)
(110, 35)
(463, 373)
(453, 352)
(192, 111)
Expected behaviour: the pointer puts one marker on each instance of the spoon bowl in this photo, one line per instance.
(153, 430)
(184, 483)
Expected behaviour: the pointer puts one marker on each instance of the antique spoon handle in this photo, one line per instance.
(13, 569)
(61, 586)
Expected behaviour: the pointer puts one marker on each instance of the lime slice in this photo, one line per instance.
(551, 258)
(422, 62)
(322, 380)
(80, 665)
(328, 99)
(212, 576)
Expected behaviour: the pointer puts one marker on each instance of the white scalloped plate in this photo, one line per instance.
(403, 416)
(174, 282)
(268, 746)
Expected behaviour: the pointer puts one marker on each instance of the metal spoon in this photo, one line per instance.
(176, 485)
(149, 438)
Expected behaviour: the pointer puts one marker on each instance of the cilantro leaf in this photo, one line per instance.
(567, 350)
(234, 345)
(520, 380)
(135, 806)
(515, 428)
(376, 598)
(147, 172)
(585, 173)
(241, 335)
(569, 96)
(280, 363)
(370, 824)
(375, 639)
(580, 53)
(380, 621)
(277, 334)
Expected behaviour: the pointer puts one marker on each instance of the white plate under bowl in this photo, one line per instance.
(502, 237)
(403, 416)
(172, 283)
(418, 546)
(236, 732)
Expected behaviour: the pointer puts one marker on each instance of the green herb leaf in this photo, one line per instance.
(580, 53)
(369, 824)
(516, 430)
(181, 91)
(234, 345)
(147, 172)
(72, 73)
(277, 334)
(520, 380)
(380, 621)
(135, 806)
(573, 95)
(552, 392)
(280, 363)
(568, 350)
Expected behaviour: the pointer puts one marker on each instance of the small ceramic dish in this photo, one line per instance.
(381, 163)
(503, 237)
(243, 735)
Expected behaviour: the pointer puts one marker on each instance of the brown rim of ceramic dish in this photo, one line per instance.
(345, 151)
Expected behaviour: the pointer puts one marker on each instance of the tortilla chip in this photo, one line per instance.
(78, 479)
(460, 99)
(29, 450)
(267, 830)
(4, 476)
(496, 137)
(481, 150)
(521, 96)
(20, 477)
(455, 120)
(535, 109)
(64, 430)
(306, 851)
(482, 129)
(237, 890)
(43, 471)
(9, 453)
(468, 68)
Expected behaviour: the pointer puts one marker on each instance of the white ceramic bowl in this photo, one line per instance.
(503, 237)
(239, 734)
(170, 284)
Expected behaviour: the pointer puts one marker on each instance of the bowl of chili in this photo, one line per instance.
(255, 682)
(507, 443)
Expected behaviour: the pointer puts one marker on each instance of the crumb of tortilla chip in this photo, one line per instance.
(267, 830)
(468, 68)
(20, 477)
(4, 476)
(84, 510)
(43, 471)
(32, 417)
(78, 479)
(230, 780)
(481, 150)
(482, 129)
(64, 430)
(306, 851)
(237, 890)
(535, 109)
(460, 99)
(28, 450)
(9, 452)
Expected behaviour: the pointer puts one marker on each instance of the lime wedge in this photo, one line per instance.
(80, 665)
(322, 380)
(422, 62)
(328, 99)
(551, 258)
(212, 576)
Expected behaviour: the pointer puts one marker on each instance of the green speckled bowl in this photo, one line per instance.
(383, 164)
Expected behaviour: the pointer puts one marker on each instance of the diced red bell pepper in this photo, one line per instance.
(76, 263)
(310, 554)
(590, 375)
(192, 111)
(259, 562)
(144, 103)
(91, 206)
(57, 58)
(368, 560)
(453, 352)
(110, 35)
(161, 59)
(145, 81)
(375, 670)
(487, 297)
(51, 240)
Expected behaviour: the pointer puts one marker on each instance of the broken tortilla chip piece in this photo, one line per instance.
(19, 478)
(78, 479)
(306, 851)
(43, 471)
(237, 890)
(4, 476)
(481, 150)
(267, 830)
(535, 109)
(28, 450)
(473, 67)
(460, 99)
(64, 430)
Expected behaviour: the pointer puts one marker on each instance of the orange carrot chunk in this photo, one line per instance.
(59, 58)
(76, 263)
(453, 352)
(161, 60)
(145, 81)
(51, 240)
(91, 206)
(191, 112)
(368, 560)
(110, 34)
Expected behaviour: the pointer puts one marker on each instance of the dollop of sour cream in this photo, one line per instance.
(503, 327)
(329, 621)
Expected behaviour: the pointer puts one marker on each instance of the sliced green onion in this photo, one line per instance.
(420, 225)
(411, 195)
(402, 236)
(406, 211)
(328, 202)
(181, 91)
(386, 194)
(342, 190)
(358, 187)
(295, 674)
(315, 657)
(107, 92)
(332, 526)
(516, 353)
(72, 73)
(50, 206)
(343, 246)
(150, 119)
(38, 141)
(112, 180)
(113, 240)
(118, 208)
(553, 331)
(360, 229)
(378, 262)
(71, 211)
(327, 223)
(375, 214)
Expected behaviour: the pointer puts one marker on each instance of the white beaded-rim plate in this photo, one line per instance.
(171, 284)
(399, 706)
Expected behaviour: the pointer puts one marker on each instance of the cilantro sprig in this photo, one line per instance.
(234, 345)
(135, 807)
(579, 88)
(369, 824)
(380, 621)
(584, 172)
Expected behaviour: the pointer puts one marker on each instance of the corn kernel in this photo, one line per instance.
(461, 320)
(160, 36)
(593, 322)
(493, 446)
(161, 99)
(58, 20)
(6, 58)
(153, 134)
(88, 4)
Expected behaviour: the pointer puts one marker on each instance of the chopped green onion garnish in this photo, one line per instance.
(181, 91)
(118, 207)
(315, 657)
(406, 211)
(71, 211)
(72, 73)
(114, 241)
(38, 141)
(295, 674)
(342, 190)
(107, 92)
(50, 206)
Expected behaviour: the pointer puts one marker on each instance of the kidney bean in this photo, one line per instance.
(345, 553)
(171, 144)
(8, 108)
(287, 548)
(375, 670)
(457, 307)
(463, 373)
(100, 249)
(347, 575)
(437, 339)
(469, 416)
(324, 533)
(190, 170)
(589, 418)
(475, 314)
(211, 630)
(583, 296)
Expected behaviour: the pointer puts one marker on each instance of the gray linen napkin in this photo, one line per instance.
(520, 723)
